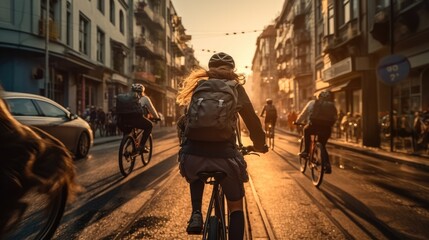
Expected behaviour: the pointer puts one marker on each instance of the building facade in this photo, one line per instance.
(93, 50)
(338, 45)
(81, 60)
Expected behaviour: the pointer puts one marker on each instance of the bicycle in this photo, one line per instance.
(32, 209)
(217, 215)
(269, 133)
(37, 215)
(316, 160)
(128, 150)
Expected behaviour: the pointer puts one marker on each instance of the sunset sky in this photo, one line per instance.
(209, 22)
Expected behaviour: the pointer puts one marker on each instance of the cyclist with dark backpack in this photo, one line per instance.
(213, 99)
(319, 115)
(130, 113)
(270, 112)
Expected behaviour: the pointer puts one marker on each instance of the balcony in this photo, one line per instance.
(329, 42)
(53, 29)
(302, 69)
(142, 44)
(301, 36)
(144, 14)
(301, 52)
(145, 76)
(299, 13)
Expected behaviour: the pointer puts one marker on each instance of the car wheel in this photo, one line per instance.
(82, 146)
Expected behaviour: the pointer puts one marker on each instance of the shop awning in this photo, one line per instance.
(339, 87)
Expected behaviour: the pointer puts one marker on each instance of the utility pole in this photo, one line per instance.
(47, 49)
(392, 51)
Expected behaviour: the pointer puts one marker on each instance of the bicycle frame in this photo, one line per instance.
(315, 160)
(215, 225)
(127, 150)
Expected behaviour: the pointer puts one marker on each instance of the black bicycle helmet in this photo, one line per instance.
(221, 59)
(137, 87)
(325, 95)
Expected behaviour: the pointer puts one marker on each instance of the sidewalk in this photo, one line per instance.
(416, 160)
(156, 131)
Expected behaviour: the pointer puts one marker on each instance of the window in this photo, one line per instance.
(331, 20)
(319, 45)
(50, 110)
(100, 5)
(318, 9)
(118, 59)
(121, 21)
(112, 11)
(5, 13)
(83, 34)
(100, 45)
(68, 24)
(349, 11)
(22, 107)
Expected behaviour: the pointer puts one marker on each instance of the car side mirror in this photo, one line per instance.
(72, 116)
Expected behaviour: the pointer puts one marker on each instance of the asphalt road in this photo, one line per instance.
(364, 197)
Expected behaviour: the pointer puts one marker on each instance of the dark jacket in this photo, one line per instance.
(228, 148)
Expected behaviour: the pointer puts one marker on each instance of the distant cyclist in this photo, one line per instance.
(148, 108)
(270, 112)
(319, 115)
(130, 112)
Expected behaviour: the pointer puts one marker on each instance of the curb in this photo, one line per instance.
(418, 161)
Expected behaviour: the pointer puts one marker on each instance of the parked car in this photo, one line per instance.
(46, 114)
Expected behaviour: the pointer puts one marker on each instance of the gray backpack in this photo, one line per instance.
(324, 113)
(212, 112)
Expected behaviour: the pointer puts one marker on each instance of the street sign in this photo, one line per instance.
(393, 69)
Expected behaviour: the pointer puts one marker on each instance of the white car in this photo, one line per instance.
(46, 114)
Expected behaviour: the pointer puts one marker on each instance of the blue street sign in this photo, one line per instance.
(393, 69)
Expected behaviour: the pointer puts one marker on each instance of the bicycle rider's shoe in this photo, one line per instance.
(195, 223)
(328, 168)
(303, 154)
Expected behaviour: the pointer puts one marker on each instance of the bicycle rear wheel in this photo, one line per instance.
(316, 164)
(146, 157)
(126, 155)
(213, 232)
(302, 160)
(271, 138)
(38, 215)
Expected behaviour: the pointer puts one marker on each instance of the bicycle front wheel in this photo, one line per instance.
(317, 163)
(37, 215)
(126, 155)
(147, 156)
(302, 160)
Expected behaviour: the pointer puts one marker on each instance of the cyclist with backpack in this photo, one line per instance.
(319, 115)
(148, 108)
(130, 113)
(270, 112)
(213, 99)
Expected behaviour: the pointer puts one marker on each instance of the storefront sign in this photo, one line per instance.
(393, 69)
(340, 68)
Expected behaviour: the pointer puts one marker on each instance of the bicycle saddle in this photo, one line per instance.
(216, 175)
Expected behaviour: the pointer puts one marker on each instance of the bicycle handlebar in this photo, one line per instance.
(248, 150)
(155, 120)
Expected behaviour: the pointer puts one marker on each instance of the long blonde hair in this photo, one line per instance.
(190, 82)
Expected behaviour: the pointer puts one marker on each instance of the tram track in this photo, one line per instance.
(309, 192)
(318, 196)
